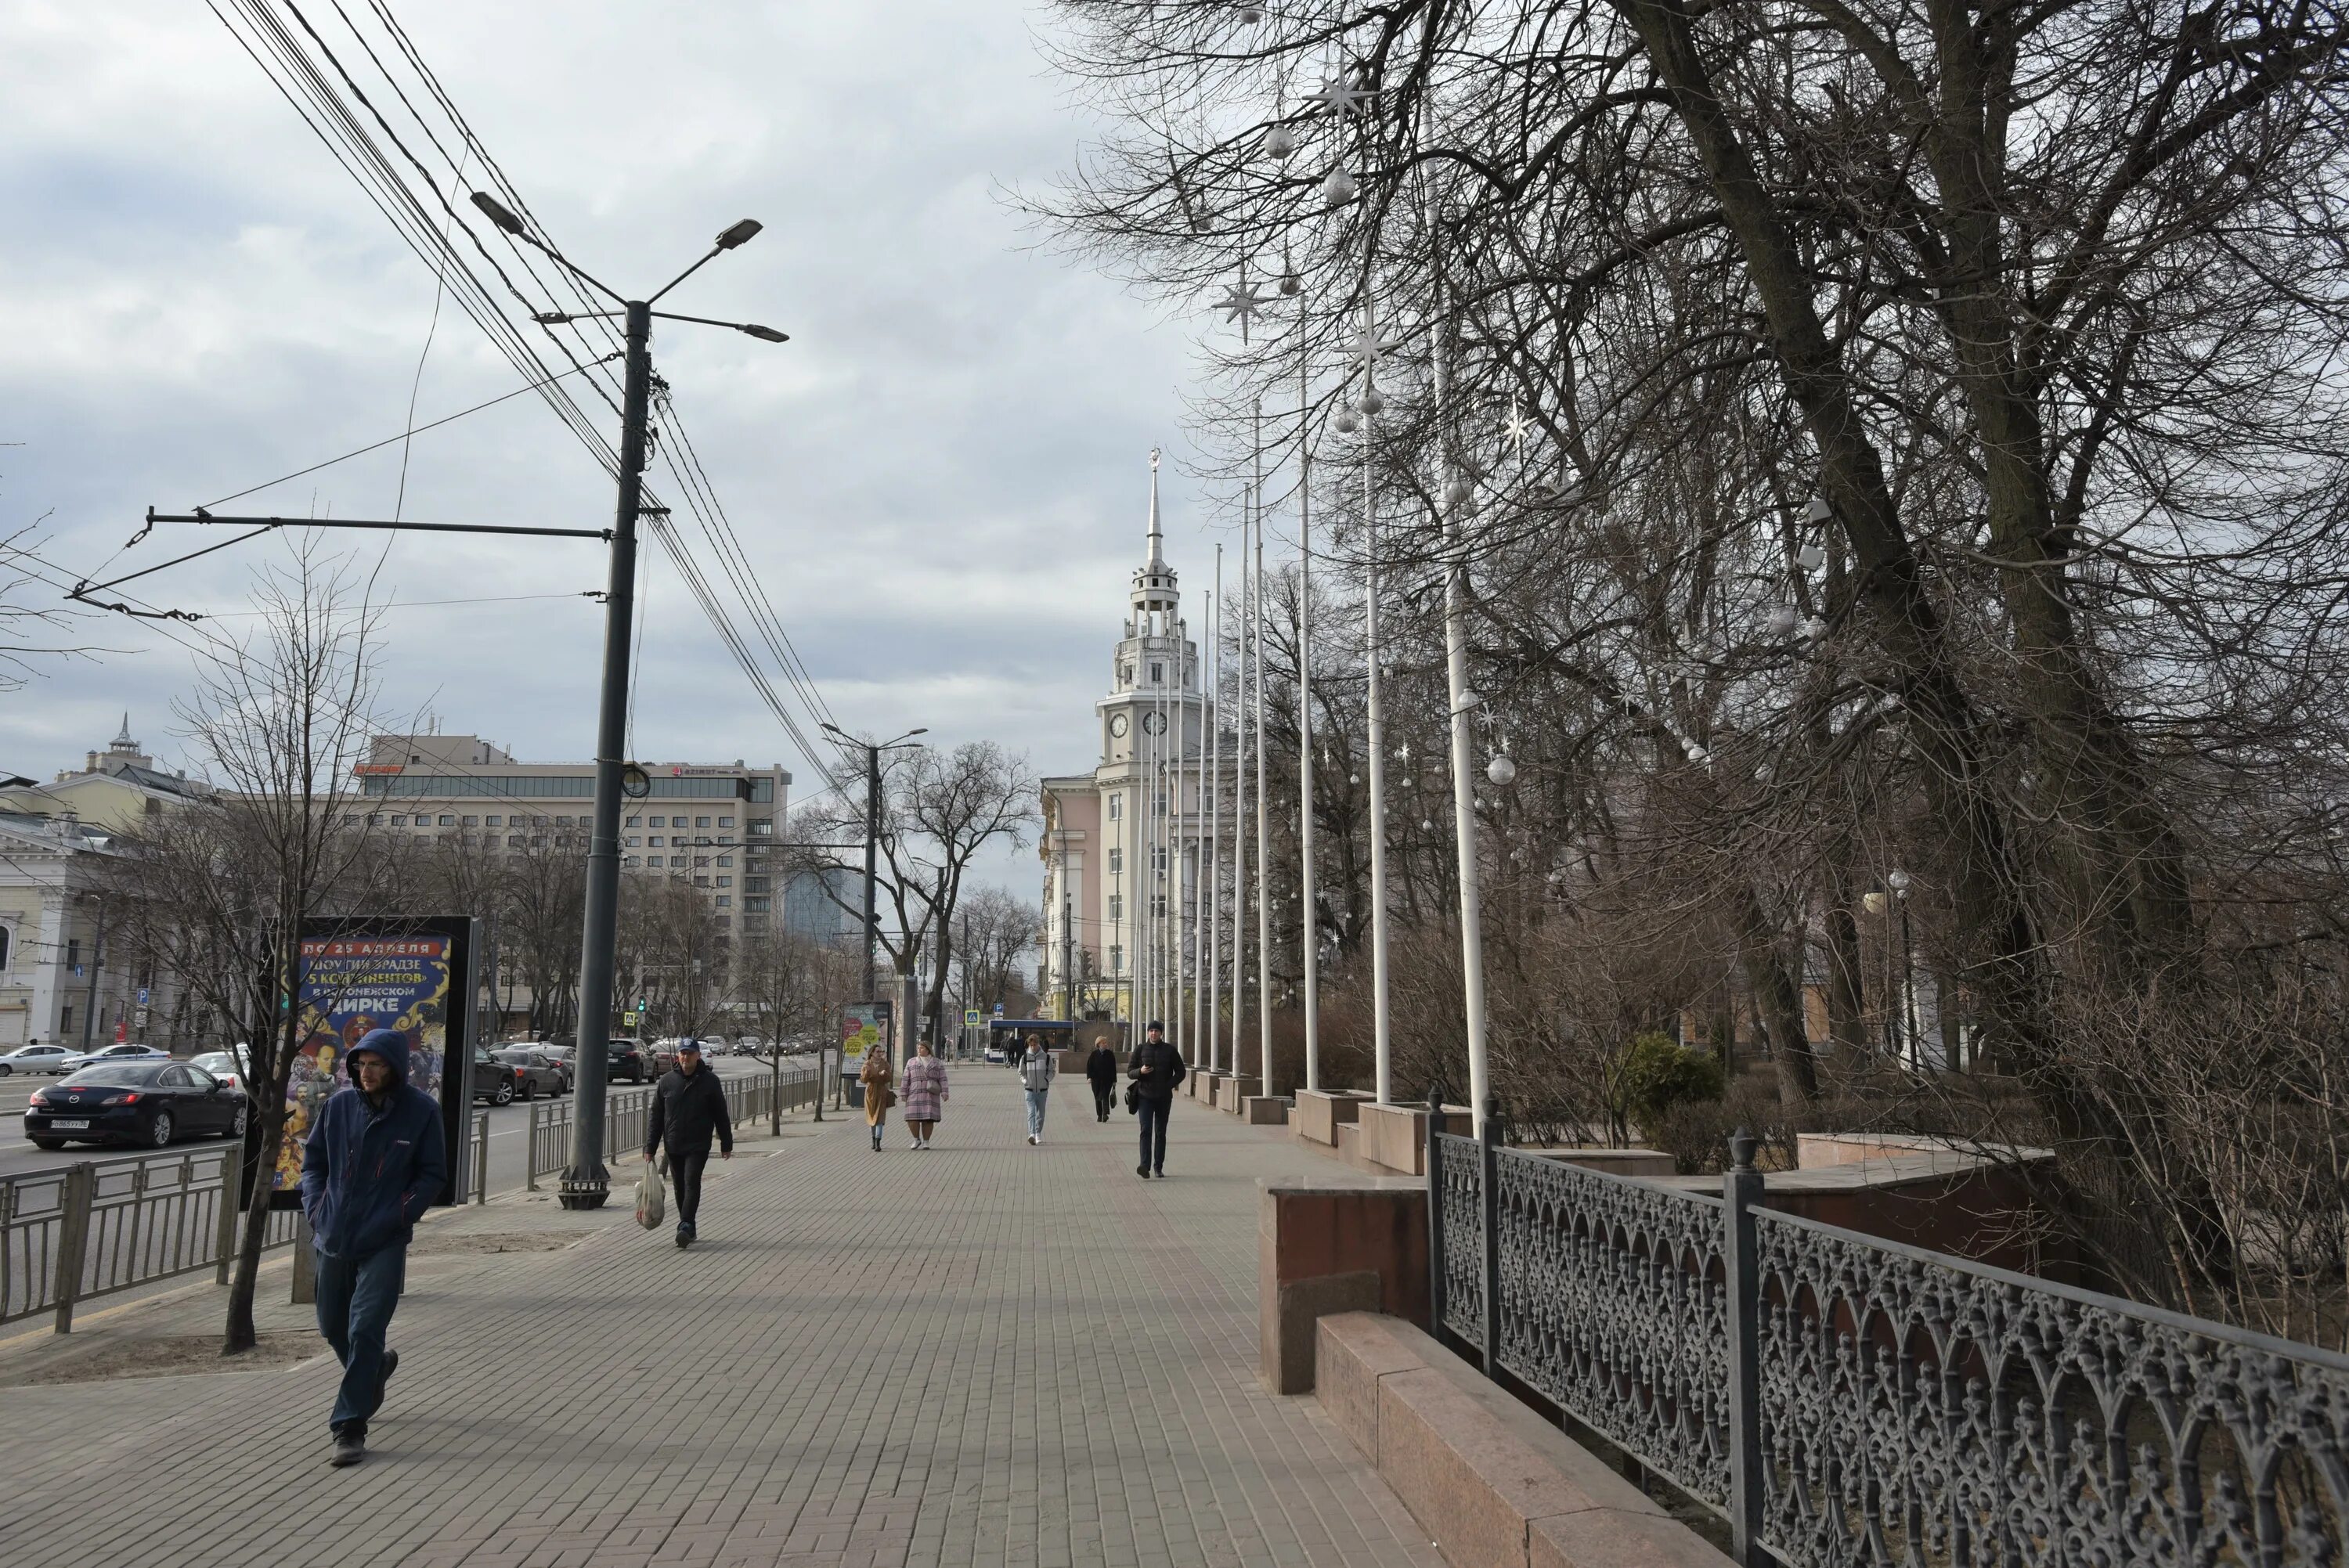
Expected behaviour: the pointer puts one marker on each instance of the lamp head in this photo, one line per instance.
(742, 233)
(497, 212)
(766, 334)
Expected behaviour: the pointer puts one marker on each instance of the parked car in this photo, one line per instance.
(498, 1082)
(144, 1102)
(117, 1053)
(538, 1073)
(36, 1059)
(565, 1058)
(627, 1062)
(233, 1068)
(664, 1056)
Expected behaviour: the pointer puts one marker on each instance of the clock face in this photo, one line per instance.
(1155, 723)
(1117, 725)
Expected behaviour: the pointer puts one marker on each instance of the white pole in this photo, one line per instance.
(1194, 856)
(1308, 924)
(1239, 792)
(1215, 888)
(1263, 842)
(1463, 787)
(1382, 1036)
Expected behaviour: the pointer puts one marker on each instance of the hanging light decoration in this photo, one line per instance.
(1251, 15)
(1469, 696)
(1290, 283)
(1427, 824)
(1459, 492)
(1373, 401)
(1813, 556)
(1346, 422)
(1501, 770)
(1815, 629)
(1780, 620)
(1338, 187)
(1281, 142)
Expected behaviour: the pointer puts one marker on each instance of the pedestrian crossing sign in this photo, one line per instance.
(971, 1017)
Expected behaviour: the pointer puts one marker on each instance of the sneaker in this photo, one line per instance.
(1031, 1138)
(1143, 1171)
(684, 1237)
(913, 1143)
(350, 1445)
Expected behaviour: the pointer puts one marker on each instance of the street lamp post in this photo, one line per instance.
(585, 1182)
(871, 845)
(1899, 883)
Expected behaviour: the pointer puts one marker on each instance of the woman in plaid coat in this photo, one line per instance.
(925, 1095)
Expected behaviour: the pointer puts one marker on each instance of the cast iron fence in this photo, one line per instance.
(1843, 1400)
(72, 1233)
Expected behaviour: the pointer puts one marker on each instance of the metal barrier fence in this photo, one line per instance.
(627, 1116)
(1843, 1400)
(72, 1233)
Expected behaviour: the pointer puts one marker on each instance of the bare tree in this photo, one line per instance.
(993, 929)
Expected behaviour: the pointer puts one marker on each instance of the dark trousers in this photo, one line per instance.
(355, 1298)
(685, 1175)
(1101, 1093)
(1155, 1113)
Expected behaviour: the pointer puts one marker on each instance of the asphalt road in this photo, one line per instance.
(509, 1129)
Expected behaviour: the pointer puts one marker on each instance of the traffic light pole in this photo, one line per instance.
(585, 1182)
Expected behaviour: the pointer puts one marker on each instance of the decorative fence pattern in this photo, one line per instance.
(1848, 1402)
(72, 1233)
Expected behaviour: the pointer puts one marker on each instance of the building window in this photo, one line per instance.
(538, 840)
(1157, 673)
(701, 822)
(448, 821)
(374, 821)
(725, 882)
(724, 901)
(630, 822)
(399, 822)
(701, 859)
(1116, 959)
(64, 1021)
(628, 860)
(659, 822)
(562, 841)
(652, 861)
(656, 840)
(1161, 802)
(756, 884)
(632, 840)
(1117, 906)
(700, 881)
(760, 827)
(1116, 863)
(725, 821)
(756, 905)
(1158, 860)
(73, 954)
(726, 859)
(1116, 808)
(514, 841)
(492, 821)
(1158, 906)
(5, 942)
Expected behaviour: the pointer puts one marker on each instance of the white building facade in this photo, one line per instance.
(1123, 843)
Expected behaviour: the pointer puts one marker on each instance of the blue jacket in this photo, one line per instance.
(368, 1174)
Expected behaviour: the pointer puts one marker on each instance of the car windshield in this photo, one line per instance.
(216, 1063)
(114, 1073)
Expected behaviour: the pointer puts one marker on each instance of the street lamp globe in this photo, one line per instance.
(1346, 422)
(1372, 400)
(1280, 141)
(1898, 883)
(1501, 770)
(1338, 187)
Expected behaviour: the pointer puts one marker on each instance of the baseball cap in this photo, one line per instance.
(693, 1045)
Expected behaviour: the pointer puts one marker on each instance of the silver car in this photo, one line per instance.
(36, 1059)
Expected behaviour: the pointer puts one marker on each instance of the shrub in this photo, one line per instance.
(1656, 1076)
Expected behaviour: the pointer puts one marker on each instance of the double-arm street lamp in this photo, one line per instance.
(586, 1183)
(872, 827)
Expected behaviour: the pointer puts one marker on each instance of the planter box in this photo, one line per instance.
(1321, 1112)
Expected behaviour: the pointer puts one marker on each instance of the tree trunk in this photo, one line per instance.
(1778, 998)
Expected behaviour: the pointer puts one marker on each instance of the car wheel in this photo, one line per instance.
(236, 1128)
(160, 1130)
(504, 1095)
(530, 1090)
(6, 1070)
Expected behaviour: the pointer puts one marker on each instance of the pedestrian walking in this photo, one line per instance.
(688, 1109)
(1158, 1071)
(925, 1095)
(876, 1075)
(1036, 1076)
(1101, 1072)
(372, 1163)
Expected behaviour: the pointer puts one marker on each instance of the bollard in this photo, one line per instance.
(482, 1157)
(305, 1262)
(530, 1149)
(232, 1203)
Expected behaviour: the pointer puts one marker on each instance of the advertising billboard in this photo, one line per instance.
(358, 976)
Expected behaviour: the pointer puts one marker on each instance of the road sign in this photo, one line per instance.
(142, 997)
(142, 1017)
(998, 1009)
(971, 1017)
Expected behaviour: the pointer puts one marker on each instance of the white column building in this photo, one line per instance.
(1115, 856)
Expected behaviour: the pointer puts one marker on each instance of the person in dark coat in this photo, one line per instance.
(1157, 1071)
(371, 1164)
(688, 1109)
(1101, 1072)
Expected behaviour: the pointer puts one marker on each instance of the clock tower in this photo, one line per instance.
(1124, 840)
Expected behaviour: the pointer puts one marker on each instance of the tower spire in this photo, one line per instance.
(1157, 559)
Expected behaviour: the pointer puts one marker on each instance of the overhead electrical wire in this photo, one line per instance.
(316, 96)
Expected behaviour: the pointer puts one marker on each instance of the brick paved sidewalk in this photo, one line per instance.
(986, 1353)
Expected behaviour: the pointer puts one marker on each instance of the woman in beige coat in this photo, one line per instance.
(876, 1076)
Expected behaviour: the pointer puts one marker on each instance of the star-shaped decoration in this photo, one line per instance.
(1517, 428)
(1337, 98)
(1241, 303)
(1370, 344)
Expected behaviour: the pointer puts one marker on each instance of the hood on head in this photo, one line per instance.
(391, 1044)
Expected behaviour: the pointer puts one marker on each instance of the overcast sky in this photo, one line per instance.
(941, 480)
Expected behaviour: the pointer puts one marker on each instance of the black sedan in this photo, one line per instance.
(141, 1102)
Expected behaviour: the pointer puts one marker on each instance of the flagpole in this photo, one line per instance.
(1381, 1030)
(1309, 923)
(1215, 882)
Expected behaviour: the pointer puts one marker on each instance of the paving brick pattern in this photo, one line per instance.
(982, 1355)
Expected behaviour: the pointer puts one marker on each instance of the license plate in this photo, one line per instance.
(69, 1126)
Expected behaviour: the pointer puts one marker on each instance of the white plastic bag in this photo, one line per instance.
(652, 1197)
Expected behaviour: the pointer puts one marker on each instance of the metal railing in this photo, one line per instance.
(72, 1233)
(1843, 1400)
(627, 1116)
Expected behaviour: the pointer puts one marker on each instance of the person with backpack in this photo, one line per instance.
(371, 1164)
(1101, 1072)
(1157, 1071)
(688, 1109)
(1036, 1076)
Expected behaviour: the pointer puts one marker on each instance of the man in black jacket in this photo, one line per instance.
(688, 1109)
(1101, 1072)
(1157, 1068)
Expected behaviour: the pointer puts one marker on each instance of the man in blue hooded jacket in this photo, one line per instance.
(371, 1164)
